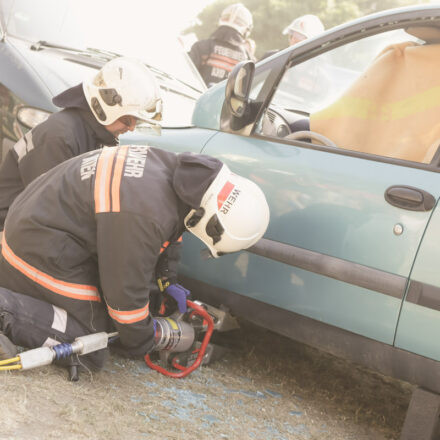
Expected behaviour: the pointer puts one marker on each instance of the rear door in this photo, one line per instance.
(419, 324)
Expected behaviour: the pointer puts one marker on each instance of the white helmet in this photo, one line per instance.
(123, 86)
(237, 17)
(233, 214)
(307, 25)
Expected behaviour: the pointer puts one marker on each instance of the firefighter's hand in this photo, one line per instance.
(180, 294)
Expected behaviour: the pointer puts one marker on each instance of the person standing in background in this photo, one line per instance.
(302, 28)
(216, 56)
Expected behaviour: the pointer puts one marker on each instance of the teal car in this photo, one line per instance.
(342, 133)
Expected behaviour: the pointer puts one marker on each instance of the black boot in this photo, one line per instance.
(7, 348)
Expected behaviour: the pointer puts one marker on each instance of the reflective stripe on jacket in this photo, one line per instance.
(63, 135)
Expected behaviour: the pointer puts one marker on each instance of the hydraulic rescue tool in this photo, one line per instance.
(182, 341)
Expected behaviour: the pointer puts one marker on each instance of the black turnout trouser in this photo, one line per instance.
(31, 323)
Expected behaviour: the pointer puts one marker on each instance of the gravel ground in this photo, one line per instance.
(266, 387)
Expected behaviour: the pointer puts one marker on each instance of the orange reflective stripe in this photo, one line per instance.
(71, 290)
(167, 243)
(231, 61)
(220, 65)
(128, 317)
(117, 176)
(102, 179)
(164, 246)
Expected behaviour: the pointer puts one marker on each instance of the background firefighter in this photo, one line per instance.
(216, 56)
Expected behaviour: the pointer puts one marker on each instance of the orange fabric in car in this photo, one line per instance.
(393, 109)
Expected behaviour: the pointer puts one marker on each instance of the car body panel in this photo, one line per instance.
(178, 140)
(208, 108)
(419, 324)
(19, 76)
(309, 194)
(55, 69)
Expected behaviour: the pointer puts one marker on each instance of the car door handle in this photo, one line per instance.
(408, 197)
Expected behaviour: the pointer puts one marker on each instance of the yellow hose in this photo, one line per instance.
(11, 367)
(10, 361)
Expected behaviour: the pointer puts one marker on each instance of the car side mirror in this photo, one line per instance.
(238, 87)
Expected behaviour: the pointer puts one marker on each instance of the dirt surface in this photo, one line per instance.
(267, 387)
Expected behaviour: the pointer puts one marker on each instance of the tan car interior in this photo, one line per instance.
(393, 109)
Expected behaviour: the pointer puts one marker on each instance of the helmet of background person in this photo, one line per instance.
(238, 17)
(233, 214)
(307, 25)
(124, 86)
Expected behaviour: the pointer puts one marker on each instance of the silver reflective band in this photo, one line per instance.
(59, 319)
(49, 342)
(24, 145)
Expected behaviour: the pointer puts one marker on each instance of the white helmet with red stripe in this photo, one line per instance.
(123, 86)
(233, 214)
(238, 17)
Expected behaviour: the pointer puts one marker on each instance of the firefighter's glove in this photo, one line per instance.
(180, 294)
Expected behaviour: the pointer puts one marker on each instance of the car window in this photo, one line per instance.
(315, 83)
(377, 95)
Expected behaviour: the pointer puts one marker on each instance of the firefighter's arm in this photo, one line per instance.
(50, 149)
(195, 55)
(166, 274)
(166, 268)
(128, 246)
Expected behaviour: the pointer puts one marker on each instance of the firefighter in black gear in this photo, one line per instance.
(83, 242)
(74, 130)
(216, 56)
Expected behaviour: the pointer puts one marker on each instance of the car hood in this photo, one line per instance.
(59, 69)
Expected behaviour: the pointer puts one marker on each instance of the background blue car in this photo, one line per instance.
(49, 46)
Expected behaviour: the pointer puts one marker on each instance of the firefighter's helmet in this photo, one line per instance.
(123, 86)
(233, 214)
(238, 17)
(307, 25)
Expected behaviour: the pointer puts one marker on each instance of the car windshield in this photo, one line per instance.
(125, 28)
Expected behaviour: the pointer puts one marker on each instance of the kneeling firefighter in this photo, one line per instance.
(95, 113)
(83, 242)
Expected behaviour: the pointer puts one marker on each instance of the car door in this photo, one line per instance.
(346, 224)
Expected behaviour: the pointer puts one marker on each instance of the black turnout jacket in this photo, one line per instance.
(63, 135)
(87, 235)
(216, 56)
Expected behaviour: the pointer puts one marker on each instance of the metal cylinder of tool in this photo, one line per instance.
(172, 335)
